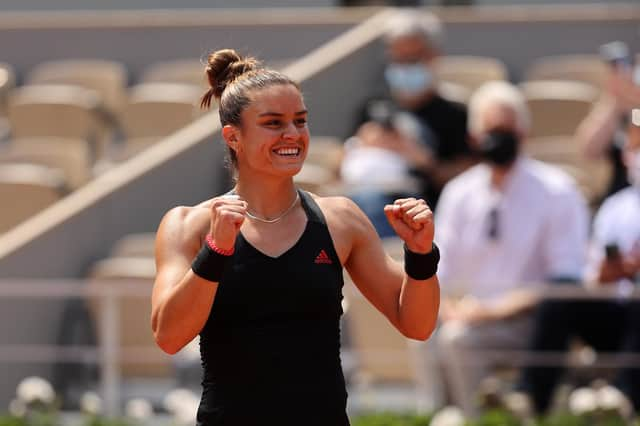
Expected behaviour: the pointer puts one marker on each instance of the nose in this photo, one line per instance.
(290, 132)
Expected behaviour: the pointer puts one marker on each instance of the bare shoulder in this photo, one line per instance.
(182, 229)
(340, 209)
(347, 222)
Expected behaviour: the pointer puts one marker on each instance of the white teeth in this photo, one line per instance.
(288, 151)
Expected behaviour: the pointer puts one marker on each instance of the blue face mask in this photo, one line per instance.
(408, 80)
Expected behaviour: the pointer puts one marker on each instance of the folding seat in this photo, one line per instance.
(107, 78)
(557, 107)
(588, 69)
(140, 357)
(155, 110)
(185, 71)
(71, 156)
(470, 72)
(44, 111)
(135, 245)
(27, 189)
(592, 176)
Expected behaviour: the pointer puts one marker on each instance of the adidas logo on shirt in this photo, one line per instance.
(323, 258)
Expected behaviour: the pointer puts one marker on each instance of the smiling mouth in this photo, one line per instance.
(287, 152)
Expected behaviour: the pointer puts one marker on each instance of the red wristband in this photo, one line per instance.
(212, 245)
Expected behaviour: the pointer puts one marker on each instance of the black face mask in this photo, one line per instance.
(499, 147)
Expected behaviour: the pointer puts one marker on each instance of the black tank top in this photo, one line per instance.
(270, 347)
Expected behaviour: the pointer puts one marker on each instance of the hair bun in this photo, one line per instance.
(223, 67)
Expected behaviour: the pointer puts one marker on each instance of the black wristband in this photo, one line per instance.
(421, 266)
(209, 264)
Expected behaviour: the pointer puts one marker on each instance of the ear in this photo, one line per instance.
(231, 136)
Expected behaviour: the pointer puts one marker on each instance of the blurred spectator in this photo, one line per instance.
(614, 259)
(602, 133)
(439, 149)
(504, 226)
(378, 160)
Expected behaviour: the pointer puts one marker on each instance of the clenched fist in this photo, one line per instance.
(227, 215)
(412, 220)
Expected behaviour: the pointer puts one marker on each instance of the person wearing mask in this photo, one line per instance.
(614, 260)
(377, 162)
(505, 226)
(437, 142)
(258, 272)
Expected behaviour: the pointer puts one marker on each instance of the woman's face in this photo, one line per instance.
(274, 136)
(409, 73)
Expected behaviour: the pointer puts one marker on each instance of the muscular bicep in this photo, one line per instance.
(174, 251)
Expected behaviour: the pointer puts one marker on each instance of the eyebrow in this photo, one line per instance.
(277, 114)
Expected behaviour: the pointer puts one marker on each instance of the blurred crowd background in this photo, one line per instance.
(515, 121)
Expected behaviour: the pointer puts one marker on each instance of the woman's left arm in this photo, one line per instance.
(410, 303)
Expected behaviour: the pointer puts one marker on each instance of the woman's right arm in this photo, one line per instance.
(181, 300)
(596, 132)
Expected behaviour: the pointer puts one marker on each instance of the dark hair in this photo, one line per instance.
(232, 77)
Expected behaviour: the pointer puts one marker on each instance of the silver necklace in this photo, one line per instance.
(275, 219)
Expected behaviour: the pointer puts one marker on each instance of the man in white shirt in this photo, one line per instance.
(504, 227)
(614, 260)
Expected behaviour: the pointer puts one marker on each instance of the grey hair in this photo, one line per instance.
(498, 93)
(414, 22)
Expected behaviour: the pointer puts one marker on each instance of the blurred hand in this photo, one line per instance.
(627, 266)
(412, 220)
(624, 91)
(227, 215)
(631, 264)
(372, 134)
(416, 153)
(468, 310)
